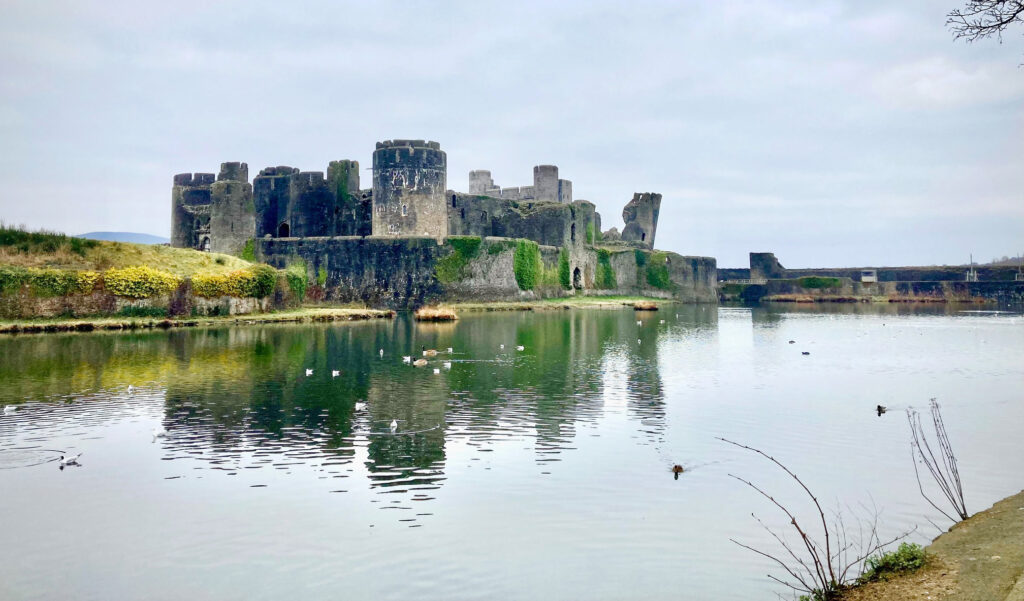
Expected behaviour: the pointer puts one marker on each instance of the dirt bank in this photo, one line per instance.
(980, 559)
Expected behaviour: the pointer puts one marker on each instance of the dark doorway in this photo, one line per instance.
(205, 246)
(572, 233)
(643, 236)
(577, 279)
(283, 230)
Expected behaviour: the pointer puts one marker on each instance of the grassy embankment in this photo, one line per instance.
(979, 559)
(51, 250)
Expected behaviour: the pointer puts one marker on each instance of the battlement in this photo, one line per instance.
(646, 198)
(309, 178)
(235, 172)
(277, 171)
(194, 179)
(409, 144)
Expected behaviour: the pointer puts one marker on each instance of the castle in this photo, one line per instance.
(408, 198)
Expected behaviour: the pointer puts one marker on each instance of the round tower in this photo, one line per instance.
(409, 183)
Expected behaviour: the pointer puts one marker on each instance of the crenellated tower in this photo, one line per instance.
(409, 183)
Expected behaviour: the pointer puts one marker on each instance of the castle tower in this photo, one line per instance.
(641, 218)
(232, 214)
(545, 183)
(409, 183)
(480, 181)
(190, 210)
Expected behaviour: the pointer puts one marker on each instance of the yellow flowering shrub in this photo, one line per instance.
(257, 281)
(140, 282)
(86, 281)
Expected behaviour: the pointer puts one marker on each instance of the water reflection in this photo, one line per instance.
(240, 399)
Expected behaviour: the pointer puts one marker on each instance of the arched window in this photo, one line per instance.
(205, 246)
(405, 210)
(483, 216)
(283, 230)
(577, 279)
(572, 233)
(462, 213)
(643, 236)
(453, 200)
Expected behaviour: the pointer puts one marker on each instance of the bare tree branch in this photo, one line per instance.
(981, 19)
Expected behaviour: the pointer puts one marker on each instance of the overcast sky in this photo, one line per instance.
(831, 133)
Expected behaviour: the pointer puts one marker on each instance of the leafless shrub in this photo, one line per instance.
(941, 465)
(825, 561)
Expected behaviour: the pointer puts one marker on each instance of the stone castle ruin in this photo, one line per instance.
(409, 197)
(383, 243)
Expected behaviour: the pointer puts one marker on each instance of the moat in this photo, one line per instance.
(540, 473)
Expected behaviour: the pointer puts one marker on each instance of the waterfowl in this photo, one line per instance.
(419, 362)
(9, 409)
(407, 359)
(792, 341)
(638, 341)
(520, 348)
(360, 406)
(661, 321)
(676, 470)
(429, 352)
(501, 346)
(381, 353)
(309, 372)
(881, 409)
(335, 373)
(159, 431)
(131, 389)
(394, 425)
(639, 323)
(449, 350)
(805, 353)
(436, 371)
(72, 460)
(447, 364)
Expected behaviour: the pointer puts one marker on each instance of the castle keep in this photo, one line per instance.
(342, 231)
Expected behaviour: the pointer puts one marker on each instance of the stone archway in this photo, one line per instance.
(577, 279)
(205, 244)
(283, 230)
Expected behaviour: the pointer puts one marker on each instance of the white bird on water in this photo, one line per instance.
(309, 372)
(449, 350)
(335, 373)
(520, 348)
(360, 406)
(159, 431)
(447, 364)
(9, 409)
(131, 389)
(501, 346)
(436, 371)
(638, 341)
(394, 425)
(381, 353)
(407, 359)
(639, 323)
(72, 460)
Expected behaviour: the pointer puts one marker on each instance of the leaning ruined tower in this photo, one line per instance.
(409, 183)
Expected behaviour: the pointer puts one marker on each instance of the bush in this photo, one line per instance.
(605, 276)
(86, 281)
(139, 282)
(249, 252)
(906, 558)
(657, 272)
(590, 233)
(321, 276)
(641, 258)
(815, 282)
(257, 281)
(564, 277)
(42, 241)
(12, 278)
(52, 282)
(500, 246)
(298, 281)
(452, 267)
(526, 264)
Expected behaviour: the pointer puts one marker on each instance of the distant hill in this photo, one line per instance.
(125, 237)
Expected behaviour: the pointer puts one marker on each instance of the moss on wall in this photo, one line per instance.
(527, 264)
(590, 233)
(605, 276)
(564, 277)
(657, 272)
(249, 251)
(500, 246)
(298, 278)
(815, 282)
(452, 268)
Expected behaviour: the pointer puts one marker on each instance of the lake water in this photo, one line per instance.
(535, 474)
